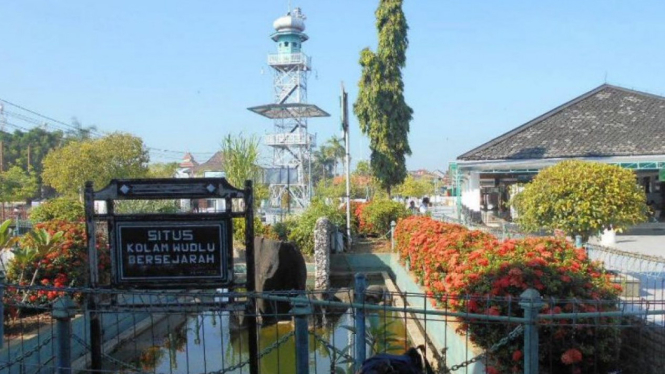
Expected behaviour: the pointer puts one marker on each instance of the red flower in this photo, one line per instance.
(491, 370)
(571, 356)
(517, 355)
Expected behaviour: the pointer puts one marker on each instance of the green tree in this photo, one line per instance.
(17, 185)
(335, 152)
(80, 132)
(580, 198)
(322, 163)
(162, 170)
(28, 149)
(117, 155)
(414, 188)
(381, 109)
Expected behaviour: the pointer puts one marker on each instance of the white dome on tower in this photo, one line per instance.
(294, 20)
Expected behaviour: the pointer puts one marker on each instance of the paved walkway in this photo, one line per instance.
(647, 239)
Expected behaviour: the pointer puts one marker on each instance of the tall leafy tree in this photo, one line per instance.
(117, 155)
(381, 109)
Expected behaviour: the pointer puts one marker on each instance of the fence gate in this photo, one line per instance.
(175, 251)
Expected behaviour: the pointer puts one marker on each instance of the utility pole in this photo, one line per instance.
(347, 161)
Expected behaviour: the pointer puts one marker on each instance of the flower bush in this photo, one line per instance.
(66, 266)
(471, 271)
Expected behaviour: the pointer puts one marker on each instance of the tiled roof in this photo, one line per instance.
(215, 163)
(607, 121)
(188, 161)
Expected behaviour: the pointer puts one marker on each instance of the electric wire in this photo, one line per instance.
(63, 126)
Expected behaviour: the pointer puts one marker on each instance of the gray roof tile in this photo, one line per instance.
(607, 121)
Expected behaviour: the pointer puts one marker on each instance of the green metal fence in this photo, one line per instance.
(322, 332)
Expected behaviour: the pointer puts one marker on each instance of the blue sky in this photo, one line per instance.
(181, 74)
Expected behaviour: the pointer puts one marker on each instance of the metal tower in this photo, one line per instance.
(291, 143)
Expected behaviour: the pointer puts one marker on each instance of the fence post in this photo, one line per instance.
(360, 286)
(2, 308)
(300, 311)
(531, 302)
(578, 241)
(63, 311)
(392, 236)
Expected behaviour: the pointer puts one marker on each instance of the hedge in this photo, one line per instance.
(471, 271)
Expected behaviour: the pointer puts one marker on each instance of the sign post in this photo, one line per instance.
(170, 251)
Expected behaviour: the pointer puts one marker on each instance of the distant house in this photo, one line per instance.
(189, 168)
(186, 166)
(608, 124)
(214, 165)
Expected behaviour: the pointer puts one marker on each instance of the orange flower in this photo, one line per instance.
(571, 356)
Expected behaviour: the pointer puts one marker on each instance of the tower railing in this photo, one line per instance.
(282, 59)
(290, 139)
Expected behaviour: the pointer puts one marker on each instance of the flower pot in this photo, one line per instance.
(608, 238)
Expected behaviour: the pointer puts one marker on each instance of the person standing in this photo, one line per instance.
(424, 205)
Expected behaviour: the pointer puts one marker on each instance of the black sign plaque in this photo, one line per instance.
(178, 252)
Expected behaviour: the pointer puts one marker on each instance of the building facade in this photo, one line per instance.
(608, 124)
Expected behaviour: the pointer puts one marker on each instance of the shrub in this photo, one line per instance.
(375, 217)
(277, 231)
(472, 272)
(58, 209)
(581, 198)
(64, 267)
(239, 229)
(361, 226)
(302, 232)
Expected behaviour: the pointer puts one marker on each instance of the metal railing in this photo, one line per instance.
(286, 139)
(642, 277)
(277, 59)
(320, 332)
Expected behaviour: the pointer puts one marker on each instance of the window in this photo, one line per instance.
(286, 44)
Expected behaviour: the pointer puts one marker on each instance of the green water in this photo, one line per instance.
(205, 343)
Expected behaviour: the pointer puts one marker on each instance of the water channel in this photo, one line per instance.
(210, 341)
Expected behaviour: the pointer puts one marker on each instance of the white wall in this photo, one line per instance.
(471, 190)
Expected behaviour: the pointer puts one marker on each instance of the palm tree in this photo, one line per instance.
(322, 162)
(336, 151)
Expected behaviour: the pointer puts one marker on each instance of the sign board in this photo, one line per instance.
(661, 174)
(175, 251)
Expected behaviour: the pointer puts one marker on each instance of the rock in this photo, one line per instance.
(279, 266)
